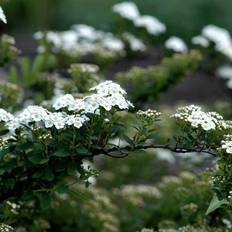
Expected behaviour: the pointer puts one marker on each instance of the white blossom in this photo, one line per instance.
(200, 40)
(126, 10)
(176, 44)
(72, 111)
(5, 116)
(82, 40)
(57, 119)
(2, 15)
(151, 24)
(76, 120)
(199, 119)
(220, 37)
(134, 43)
(227, 144)
(225, 72)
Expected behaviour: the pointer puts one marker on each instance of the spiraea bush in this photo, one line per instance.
(157, 79)
(48, 147)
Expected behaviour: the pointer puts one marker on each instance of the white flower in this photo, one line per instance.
(108, 88)
(176, 44)
(90, 68)
(126, 10)
(112, 43)
(76, 120)
(63, 101)
(5, 116)
(225, 72)
(82, 40)
(91, 105)
(220, 37)
(227, 144)
(199, 119)
(134, 43)
(69, 39)
(108, 95)
(200, 40)
(32, 114)
(151, 24)
(13, 125)
(85, 31)
(57, 119)
(2, 15)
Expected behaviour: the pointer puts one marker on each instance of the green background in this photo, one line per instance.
(184, 18)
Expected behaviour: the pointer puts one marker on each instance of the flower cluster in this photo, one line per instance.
(199, 119)
(176, 44)
(200, 40)
(81, 40)
(149, 115)
(89, 68)
(219, 36)
(6, 228)
(227, 144)
(129, 10)
(107, 95)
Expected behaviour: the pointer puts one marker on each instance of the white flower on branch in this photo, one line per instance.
(199, 119)
(107, 95)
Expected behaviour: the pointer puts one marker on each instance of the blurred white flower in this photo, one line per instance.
(151, 24)
(2, 15)
(220, 37)
(126, 10)
(200, 40)
(176, 44)
(225, 72)
(134, 43)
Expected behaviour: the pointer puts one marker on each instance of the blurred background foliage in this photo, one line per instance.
(184, 18)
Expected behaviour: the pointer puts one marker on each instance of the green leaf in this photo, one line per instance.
(71, 169)
(3, 132)
(82, 151)
(4, 152)
(13, 75)
(38, 173)
(128, 140)
(62, 188)
(60, 153)
(49, 175)
(215, 204)
(37, 158)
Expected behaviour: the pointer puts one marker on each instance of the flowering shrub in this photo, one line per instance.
(55, 123)
(32, 138)
(8, 51)
(79, 42)
(156, 79)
